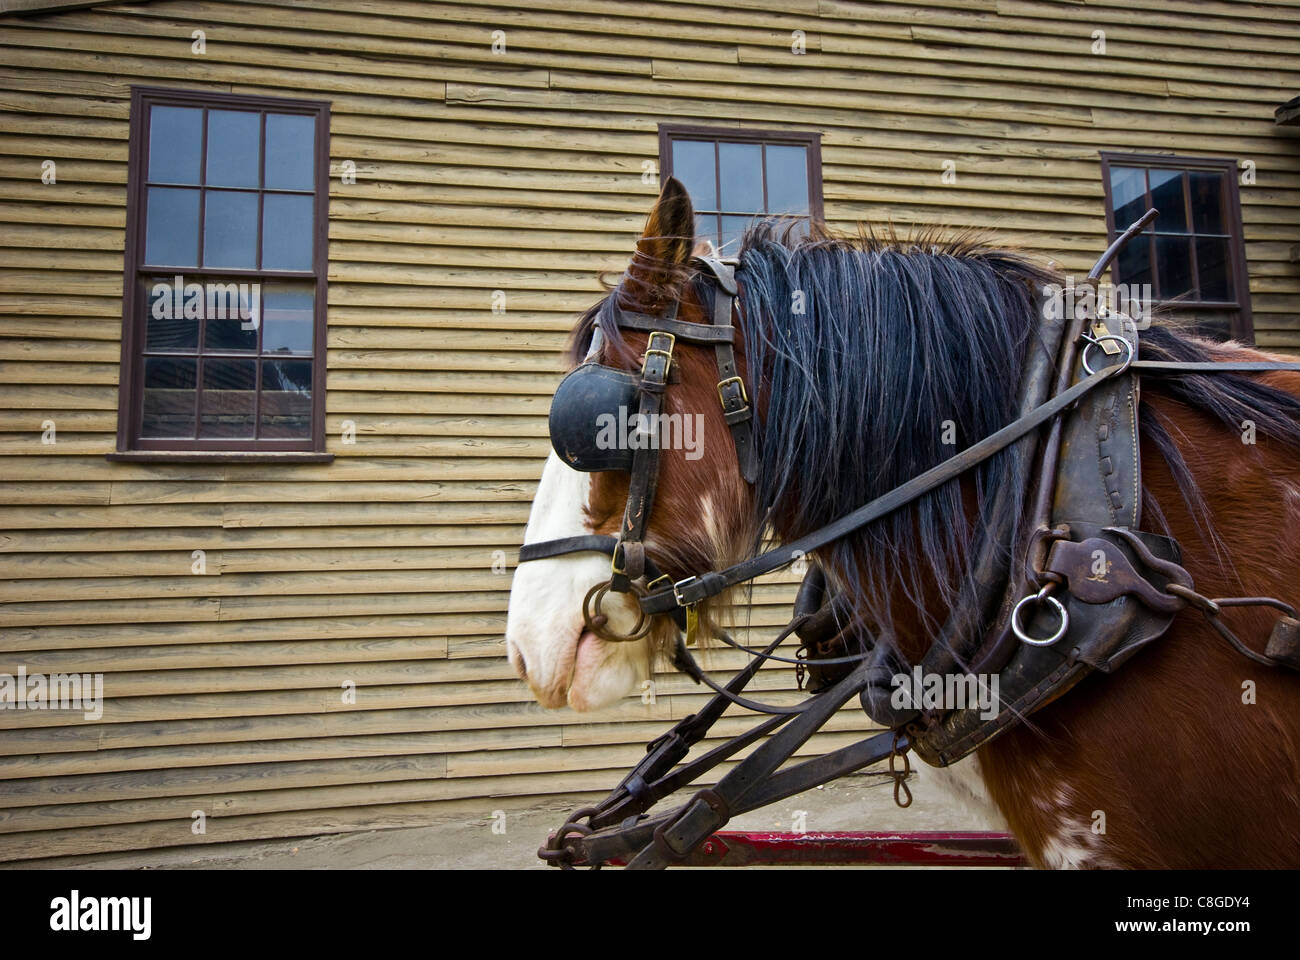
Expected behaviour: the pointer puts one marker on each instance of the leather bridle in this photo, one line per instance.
(1036, 610)
(629, 563)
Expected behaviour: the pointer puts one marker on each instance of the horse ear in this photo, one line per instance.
(669, 236)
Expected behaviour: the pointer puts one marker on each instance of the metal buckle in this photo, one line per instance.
(744, 395)
(651, 349)
(613, 560)
(677, 590)
(654, 584)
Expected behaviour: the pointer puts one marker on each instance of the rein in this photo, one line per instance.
(1130, 605)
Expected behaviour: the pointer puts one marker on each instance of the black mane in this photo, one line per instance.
(905, 353)
(898, 339)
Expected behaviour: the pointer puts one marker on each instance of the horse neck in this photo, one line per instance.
(1244, 535)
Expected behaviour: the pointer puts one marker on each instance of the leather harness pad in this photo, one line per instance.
(1098, 487)
(1100, 469)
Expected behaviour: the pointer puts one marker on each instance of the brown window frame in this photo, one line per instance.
(130, 445)
(1238, 312)
(811, 140)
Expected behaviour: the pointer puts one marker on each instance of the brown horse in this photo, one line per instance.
(1188, 756)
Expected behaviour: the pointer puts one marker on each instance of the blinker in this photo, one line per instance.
(583, 399)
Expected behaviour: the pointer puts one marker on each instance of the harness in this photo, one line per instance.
(1088, 588)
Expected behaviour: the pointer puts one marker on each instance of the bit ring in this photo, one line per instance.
(591, 602)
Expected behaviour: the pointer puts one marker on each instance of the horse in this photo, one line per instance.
(863, 356)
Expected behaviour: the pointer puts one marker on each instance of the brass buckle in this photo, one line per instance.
(651, 349)
(744, 394)
(654, 584)
(613, 560)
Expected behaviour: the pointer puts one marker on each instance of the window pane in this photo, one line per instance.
(693, 165)
(230, 230)
(1215, 269)
(232, 315)
(741, 177)
(166, 327)
(175, 139)
(286, 231)
(288, 319)
(1134, 261)
(1207, 202)
(1128, 195)
(168, 397)
(787, 179)
(732, 228)
(233, 159)
(1167, 197)
(171, 236)
(228, 399)
(706, 227)
(286, 399)
(290, 152)
(1174, 265)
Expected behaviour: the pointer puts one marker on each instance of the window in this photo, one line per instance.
(735, 175)
(223, 333)
(1193, 254)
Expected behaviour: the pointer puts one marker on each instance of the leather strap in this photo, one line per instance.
(593, 543)
(686, 332)
(543, 549)
(731, 388)
(629, 556)
(708, 810)
(1228, 366)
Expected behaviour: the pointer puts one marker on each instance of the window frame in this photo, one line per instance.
(812, 140)
(1239, 313)
(131, 446)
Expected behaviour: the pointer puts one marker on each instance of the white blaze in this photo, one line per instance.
(544, 621)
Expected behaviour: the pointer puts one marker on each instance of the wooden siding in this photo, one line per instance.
(476, 172)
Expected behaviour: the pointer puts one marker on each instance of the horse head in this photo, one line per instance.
(700, 500)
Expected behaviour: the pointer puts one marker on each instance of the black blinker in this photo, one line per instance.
(586, 421)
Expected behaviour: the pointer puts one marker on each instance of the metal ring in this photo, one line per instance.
(643, 622)
(1038, 597)
(1097, 341)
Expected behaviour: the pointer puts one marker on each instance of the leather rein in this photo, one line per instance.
(1132, 604)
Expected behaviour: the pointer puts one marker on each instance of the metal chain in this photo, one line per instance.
(900, 776)
(554, 851)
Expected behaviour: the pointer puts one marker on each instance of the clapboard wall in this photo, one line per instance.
(476, 172)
